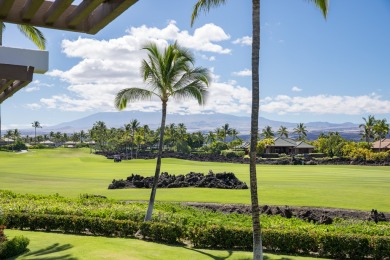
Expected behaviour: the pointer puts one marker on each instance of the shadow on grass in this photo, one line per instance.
(215, 257)
(230, 254)
(44, 253)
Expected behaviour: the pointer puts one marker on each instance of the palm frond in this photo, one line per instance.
(204, 5)
(131, 94)
(323, 5)
(194, 90)
(34, 34)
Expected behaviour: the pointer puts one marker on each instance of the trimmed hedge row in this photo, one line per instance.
(324, 244)
(333, 245)
(161, 232)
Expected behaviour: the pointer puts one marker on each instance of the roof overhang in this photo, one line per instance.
(13, 78)
(90, 16)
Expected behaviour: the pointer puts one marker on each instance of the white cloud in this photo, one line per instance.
(243, 73)
(33, 106)
(112, 65)
(205, 57)
(296, 89)
(246, 40)
(326, 104)
(31, 89)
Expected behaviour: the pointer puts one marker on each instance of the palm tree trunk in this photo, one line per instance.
(1, 44)
(257, 242)
(148, 216)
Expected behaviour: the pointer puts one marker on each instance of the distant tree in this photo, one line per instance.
(99, 134)
(234, 133)
(83, 136)
(282, 131)
(169, 74)
(36, 125)
(210, 137)
(381, 129)
(134, 125)
(267, 132)
(301, 131)
(227, 131)
(367, 128)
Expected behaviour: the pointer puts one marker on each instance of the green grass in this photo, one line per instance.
(71, 172)
(71, 247)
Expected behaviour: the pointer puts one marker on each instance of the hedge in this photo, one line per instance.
(304, 242)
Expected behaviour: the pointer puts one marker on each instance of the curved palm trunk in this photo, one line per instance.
(148, 216)
(257, 242)
(1, 44)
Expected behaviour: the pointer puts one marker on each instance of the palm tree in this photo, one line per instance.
(206, 5)
(225, 131)
(267, 132)
(282, 131)
(301, 131)
(134, 125)
(31, 33)
(36, 125)
(234, 133)
(381, 129)
(210, 137)
(367, 128)
(168, 74)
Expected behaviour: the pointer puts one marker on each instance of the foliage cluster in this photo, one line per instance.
(232, 154)
(203, 228)
(15, 246)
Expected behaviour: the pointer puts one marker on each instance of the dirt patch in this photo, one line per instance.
(316, 215)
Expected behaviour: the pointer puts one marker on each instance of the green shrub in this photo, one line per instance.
(270, 155)
(233, 154)
(162, 232)
(13, 247)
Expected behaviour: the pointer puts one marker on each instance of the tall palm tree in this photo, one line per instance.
(210, 137)
(32, 33)
(206, 5)
(381, 129)
(282, 131)
(301, 131)
(36, 125)
(226, 131)
(267, 132)
(367, 128)
(134, 125)
(168, 74)
(234, 133)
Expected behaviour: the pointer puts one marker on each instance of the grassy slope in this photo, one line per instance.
(71, 247)
(71, 172)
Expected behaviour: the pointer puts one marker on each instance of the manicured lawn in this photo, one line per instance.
(71, 172)
(71, 247)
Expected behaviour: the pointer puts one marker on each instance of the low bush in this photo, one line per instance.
(13, 247)
(233, 154)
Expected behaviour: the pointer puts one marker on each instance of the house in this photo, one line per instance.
(289, 146)
(5, 141)
(283, 145)
(48, 143)
(381, 145)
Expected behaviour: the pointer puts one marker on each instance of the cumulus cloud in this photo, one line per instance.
(296, 89)
(33, 106)
(243, 73)
(112, 65)
(246, 40)
(32, 89)
(326, 104)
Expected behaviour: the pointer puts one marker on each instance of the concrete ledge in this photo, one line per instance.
(24, 57)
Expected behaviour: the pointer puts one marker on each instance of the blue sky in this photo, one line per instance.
(311, 69)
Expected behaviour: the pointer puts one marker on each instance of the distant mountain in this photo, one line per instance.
(197, 122)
